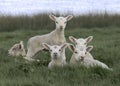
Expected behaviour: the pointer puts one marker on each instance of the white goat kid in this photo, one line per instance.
(80, 57)
(17, 49)
(58, 57)
(82, 43)
(55, 37)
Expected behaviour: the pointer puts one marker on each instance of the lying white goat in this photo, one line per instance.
(55, 37)
(82, 43)
(58, 57)
(80, 57)
(17, 49)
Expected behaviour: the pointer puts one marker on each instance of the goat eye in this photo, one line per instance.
(85, 52)
(56, 22)
(76, 52)
(50, 50)
(60, 50)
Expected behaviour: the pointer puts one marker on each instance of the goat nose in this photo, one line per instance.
(82, 58)
(61, 27)
(55, 53)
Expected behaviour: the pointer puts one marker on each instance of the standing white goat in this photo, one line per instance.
(80, 57)
(81, 43)
(58, 57)
(17, 49)
(55, 37)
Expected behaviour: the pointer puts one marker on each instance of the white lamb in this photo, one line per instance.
(58, 57)
(55, 37)
(81, 43)
(80, 57)
(17, 49)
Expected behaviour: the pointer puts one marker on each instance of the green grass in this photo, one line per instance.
(18, 72)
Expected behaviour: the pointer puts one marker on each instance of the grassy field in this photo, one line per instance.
(16, 72)
(42, 21)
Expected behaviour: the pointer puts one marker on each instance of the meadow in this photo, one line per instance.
(18, 72)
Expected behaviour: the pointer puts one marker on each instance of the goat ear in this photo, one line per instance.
(89, 39)
(21, 43)
(46, 46)
(69, 17)
(71, 47)
(19, 46)
(72, 39)
(89, 48)
(52, 17)
(65, 45)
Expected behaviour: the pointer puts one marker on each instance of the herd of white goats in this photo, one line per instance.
(55, 42)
